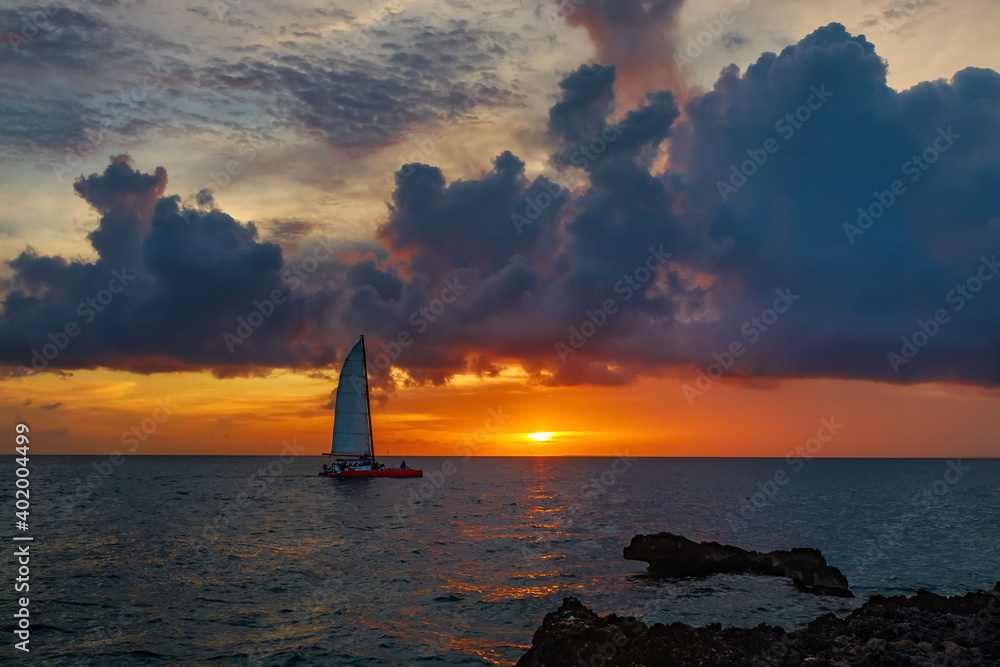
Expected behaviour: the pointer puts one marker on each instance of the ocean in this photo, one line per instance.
(217, 560)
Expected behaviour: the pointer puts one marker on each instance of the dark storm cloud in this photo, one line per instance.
(191, 274)
(467, 224)
(786, 225)
(125, 199)
(579, 123)
(784, 229)
(587, 99)
(387, 285)
(669, 268)
(172, 281)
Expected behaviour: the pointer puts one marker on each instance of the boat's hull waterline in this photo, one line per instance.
(374, 473)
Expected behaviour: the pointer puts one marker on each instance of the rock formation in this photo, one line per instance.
(677, 556)
(926, 629)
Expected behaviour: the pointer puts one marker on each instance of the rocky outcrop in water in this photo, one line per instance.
(926, 629)
(677, 556)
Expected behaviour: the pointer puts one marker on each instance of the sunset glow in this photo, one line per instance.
(431, 332)
(650, 287)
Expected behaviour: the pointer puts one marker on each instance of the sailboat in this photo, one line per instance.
(352, 425)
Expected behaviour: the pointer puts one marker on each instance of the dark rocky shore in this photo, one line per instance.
(925, 629)
(677, 556)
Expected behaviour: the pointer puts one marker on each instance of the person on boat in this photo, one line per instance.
(402, 466)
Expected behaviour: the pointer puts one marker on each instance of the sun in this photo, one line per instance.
(540, 437)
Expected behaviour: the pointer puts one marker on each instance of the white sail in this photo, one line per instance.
(351, 430)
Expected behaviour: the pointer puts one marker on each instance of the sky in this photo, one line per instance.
(736, 228)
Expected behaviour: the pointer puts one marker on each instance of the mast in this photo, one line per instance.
(368, 402)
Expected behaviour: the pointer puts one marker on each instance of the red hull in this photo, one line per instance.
(374, 473)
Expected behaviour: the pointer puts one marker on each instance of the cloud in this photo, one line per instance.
(467, 224)
(371, 103)
(786, 226)
(99, 82)
(898, 15)
(639, 37)
(587, 100)
(289, 231)
(478, 272)
(734, 41)
(125, 199)
(164, 289)
(41, 124)
(579, 123)
(74, 99)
